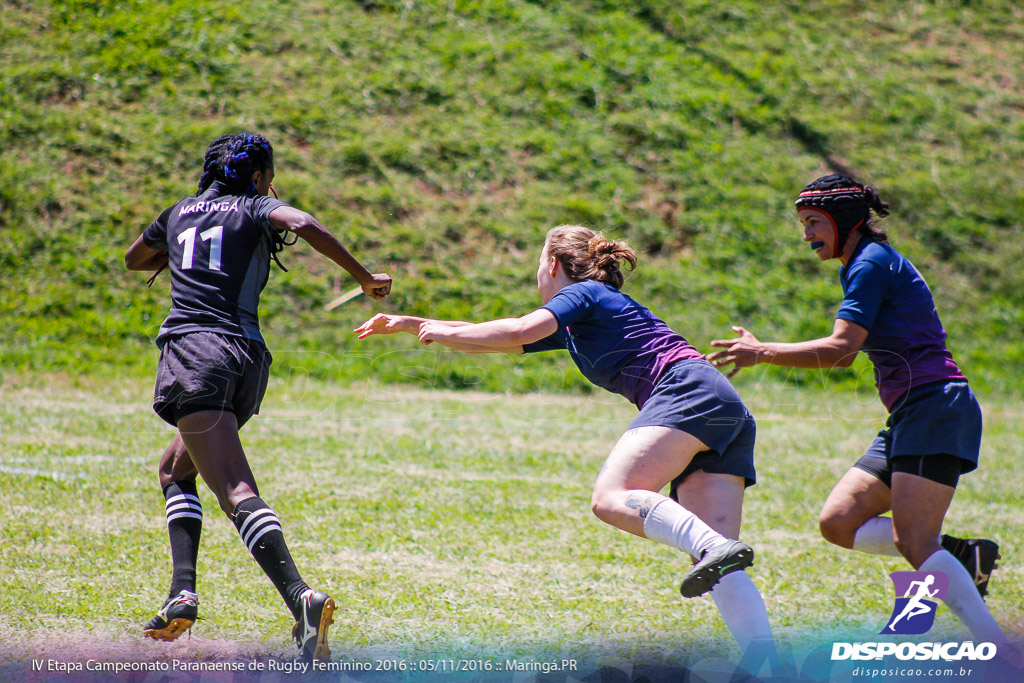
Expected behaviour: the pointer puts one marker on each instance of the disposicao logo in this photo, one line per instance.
(917, 596)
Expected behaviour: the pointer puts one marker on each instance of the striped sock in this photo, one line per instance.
(184, 528)
(261, 532)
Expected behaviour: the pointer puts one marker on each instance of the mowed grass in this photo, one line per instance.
(444, 523)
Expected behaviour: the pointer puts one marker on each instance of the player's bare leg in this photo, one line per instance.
(211, 438)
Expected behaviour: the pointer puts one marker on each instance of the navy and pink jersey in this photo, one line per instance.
(615, 342)
(219, 257)
(884, 294)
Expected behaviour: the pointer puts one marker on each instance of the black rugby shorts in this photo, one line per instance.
(211, 371)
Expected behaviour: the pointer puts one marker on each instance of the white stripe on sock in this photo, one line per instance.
(260, 527)
(184, 506)
(179, 515)
(183, 498)
(264, 521)
(262, 512)
(270, 527)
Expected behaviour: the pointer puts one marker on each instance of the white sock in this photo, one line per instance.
(963, 599)
(670, 523)
(875, 536)
(743, 611)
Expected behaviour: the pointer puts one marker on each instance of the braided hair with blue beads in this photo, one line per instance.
(232, 159)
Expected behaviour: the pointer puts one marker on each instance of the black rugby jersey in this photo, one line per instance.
(219, 258)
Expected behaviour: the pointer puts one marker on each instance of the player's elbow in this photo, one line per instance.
(133, 262)
(843, 353)
(524, 337)
(845, 359)
(294, 220)
(523, 332)
(305, 227)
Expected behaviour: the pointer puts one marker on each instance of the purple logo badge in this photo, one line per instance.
(917, 595)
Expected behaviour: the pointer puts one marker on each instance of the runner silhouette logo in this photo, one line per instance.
(917, 596)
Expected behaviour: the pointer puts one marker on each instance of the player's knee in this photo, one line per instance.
(164, 476)
(836, 530)
(602, 504)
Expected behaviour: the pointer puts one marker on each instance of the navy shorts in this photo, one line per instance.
(694, 397)
(211, 371)
(935, 433)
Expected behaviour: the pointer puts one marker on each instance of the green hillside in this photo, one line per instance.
(440, 140)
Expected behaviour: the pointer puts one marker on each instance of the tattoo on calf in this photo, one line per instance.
(643, 507)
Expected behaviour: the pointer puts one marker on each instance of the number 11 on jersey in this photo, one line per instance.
(215, 236)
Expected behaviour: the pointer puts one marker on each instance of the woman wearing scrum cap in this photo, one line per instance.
(933, 433)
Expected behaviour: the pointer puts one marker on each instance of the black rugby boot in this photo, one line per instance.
(174, 618)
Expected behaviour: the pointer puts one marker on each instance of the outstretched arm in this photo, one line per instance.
(507, 333)
(497, 336)
(837, 350)
(320, 238)
(388, 323)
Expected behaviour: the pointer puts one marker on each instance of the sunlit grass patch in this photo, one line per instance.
(442, 522)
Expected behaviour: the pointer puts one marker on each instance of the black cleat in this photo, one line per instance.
(310, 631)
(714, 564)
(977, 555)
(174, 618)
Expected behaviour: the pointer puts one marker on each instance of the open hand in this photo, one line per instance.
(742, 351)
(382, 323)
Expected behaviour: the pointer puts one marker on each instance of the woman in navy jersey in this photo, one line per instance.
(933, 433)
(214, 364)
(692, 433)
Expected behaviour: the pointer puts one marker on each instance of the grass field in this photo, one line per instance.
(441, 140)
(445, 523)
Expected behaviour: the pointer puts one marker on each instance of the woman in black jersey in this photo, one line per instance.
(214, 365)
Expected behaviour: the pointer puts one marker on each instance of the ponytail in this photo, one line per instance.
(878, 209)
(588, 255)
